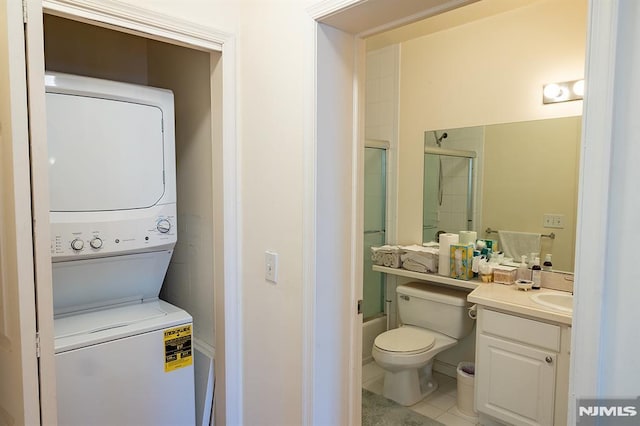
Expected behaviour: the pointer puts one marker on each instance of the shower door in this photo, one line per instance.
(375, 203)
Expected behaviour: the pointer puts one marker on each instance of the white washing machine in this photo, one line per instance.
(123, 356)
(121, 366)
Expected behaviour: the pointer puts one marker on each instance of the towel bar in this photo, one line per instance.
(551, 235)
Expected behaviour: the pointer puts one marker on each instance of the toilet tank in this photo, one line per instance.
(434, 308)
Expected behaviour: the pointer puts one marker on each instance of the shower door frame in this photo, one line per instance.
(389, 224)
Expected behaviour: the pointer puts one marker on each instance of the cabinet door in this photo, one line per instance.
(514, 382)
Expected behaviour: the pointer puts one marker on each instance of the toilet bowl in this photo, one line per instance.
(433, 321)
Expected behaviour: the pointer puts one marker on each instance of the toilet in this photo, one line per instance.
(433, 319)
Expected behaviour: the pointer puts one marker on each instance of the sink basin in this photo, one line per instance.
(559, 301)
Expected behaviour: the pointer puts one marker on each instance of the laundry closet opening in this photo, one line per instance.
(82, 49)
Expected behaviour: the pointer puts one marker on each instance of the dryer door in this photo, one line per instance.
(104, 154)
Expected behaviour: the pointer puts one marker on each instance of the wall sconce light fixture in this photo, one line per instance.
(563, 92)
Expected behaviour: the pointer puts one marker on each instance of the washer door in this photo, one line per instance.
(408, 340)
(104, 154)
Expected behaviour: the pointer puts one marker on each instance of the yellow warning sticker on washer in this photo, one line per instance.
(177, 348)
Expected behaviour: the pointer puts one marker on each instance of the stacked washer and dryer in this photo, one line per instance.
(123, 356)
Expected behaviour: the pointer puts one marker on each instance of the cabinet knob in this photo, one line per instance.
(548, 359)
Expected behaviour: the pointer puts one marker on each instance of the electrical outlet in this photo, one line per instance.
(552, 220)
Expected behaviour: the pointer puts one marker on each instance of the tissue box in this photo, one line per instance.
(504, 274)
(461, 259)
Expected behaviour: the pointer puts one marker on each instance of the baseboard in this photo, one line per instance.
(446, 369)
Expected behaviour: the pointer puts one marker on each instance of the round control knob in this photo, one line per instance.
(96, 243)
(77, 244)
(163, 226)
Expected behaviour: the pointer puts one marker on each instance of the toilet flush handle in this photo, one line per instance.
(473, 312)
(404, 297)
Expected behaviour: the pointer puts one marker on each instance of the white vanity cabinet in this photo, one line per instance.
(522, 369)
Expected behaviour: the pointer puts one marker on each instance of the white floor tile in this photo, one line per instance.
(450, 420)
(426, 409)
(456, 412)
(441, 401)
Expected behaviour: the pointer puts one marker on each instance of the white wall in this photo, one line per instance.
(618, 347)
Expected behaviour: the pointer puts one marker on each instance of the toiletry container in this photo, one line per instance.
(524, 273)
(547, 265)
(536, 274)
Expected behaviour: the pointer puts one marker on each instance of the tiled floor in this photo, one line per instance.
(440, 405)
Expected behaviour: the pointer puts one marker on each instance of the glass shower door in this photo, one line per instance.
(375, 202)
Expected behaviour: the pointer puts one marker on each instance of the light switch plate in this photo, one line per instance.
(271, 266)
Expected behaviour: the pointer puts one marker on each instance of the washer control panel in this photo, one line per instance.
(78, 239)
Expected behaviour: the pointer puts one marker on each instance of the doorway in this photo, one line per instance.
(354, 35)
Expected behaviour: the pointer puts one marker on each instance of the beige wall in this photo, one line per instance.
(484, 72)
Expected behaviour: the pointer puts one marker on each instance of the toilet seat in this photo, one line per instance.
(406, 340)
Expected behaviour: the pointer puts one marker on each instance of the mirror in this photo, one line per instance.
(523, 173)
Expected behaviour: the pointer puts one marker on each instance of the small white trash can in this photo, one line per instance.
(466, 378)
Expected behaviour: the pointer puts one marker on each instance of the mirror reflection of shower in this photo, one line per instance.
(439, 143)
(449, 182)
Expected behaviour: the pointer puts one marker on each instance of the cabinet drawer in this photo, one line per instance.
(520, 329)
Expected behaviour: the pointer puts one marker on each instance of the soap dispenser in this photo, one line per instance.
(524, 273)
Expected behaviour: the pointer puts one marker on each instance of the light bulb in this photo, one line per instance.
(578, 88)
(552, 91)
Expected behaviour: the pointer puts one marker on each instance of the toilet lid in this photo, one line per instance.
(405, 339)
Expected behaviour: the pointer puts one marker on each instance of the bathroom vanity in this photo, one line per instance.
(522, 357)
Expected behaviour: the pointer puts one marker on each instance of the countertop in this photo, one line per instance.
(508, 298)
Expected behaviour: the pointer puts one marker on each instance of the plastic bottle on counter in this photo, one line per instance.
(524, 273)
(536, 274)
(547, 265)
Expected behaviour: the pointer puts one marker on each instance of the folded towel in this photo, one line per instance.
(419, 258)
(420, 249)
(411, 265)
(517, 244)
(386, 255)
